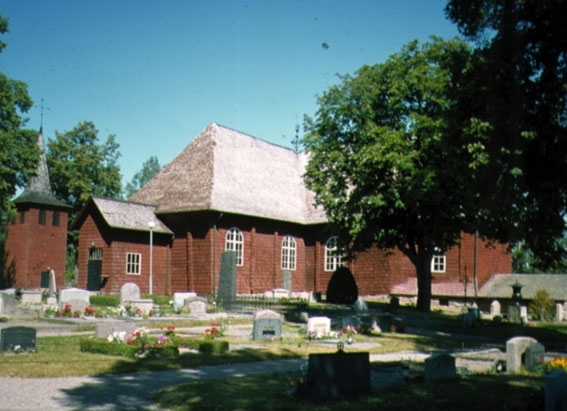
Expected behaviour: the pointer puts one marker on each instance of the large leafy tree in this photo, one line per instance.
(390, 160)
(81, 167)
(149, 169)
(19, 153)
(520, 91)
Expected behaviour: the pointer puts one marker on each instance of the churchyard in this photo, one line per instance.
(378, 355)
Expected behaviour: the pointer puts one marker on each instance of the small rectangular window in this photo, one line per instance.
(42, 217)
(133, 262)
(22, 217)
(438, 263)
(55, 219)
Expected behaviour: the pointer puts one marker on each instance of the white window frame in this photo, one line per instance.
(235, 242)
(133, 263)
(333, 258)
(439, 262)
(289, 253)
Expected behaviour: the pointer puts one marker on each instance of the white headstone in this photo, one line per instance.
(197, 307)
(129, 292)
(559, 314)
(318, 326)
(515, 349)
(495, 308)
(179, 299)
(281, 293)
(69, 294)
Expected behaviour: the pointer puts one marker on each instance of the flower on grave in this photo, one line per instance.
(558, 363)
(89, 310)
(67, 311)
(216, 330)
(349, 331)
(117, 337)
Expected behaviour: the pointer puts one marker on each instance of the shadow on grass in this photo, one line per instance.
(129, 390)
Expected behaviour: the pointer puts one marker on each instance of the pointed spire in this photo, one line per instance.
(38, 187)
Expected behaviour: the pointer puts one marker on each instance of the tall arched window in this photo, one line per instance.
(235, 242)
(333, 254)
(288, 253)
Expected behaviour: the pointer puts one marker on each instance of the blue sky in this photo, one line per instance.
(155, 73)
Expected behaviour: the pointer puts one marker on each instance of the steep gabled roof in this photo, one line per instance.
(38, 187)
(500, 285)
(123, 215)
(228, 171)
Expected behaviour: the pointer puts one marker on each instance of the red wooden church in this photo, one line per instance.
(36, 238)
(231, 191)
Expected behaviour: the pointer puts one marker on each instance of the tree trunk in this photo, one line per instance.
(423, 268)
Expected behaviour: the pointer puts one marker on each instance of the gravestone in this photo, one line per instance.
(8, 304)
(197, 307)
(70, 294)
(515, 314)
(129, 292)
(556, 391)
(340, 375)
(286, 280)
(180, 298)
(533, 356)
(352, 321)
(280, 293)
(227, 279)
(515, 350)
(31, 296)
(559, 315)
(22, 337)
(267, 324)
(384, 322)
(105, 328)
(77, 305)
(318, 326)
(360, 306)
(495, 308)
(440, 367)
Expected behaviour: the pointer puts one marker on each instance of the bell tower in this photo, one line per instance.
(36, 239)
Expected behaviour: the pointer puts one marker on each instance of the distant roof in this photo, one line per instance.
(127, 215)
(229, 171)
(38, 187)
(500, 285)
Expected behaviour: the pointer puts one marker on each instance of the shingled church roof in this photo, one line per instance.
(229, 171)
(38, 187)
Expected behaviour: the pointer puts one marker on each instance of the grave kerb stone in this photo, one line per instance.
(280, 293)
(105, 328)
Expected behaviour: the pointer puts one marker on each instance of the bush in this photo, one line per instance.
(541, 307)
(105, 300)
(210, 347)
(342, 287)
(102, 346)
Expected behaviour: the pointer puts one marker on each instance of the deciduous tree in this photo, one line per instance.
(149, 169)
(520, 91)
(390, 160)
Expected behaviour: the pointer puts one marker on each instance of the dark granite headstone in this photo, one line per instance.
(227, 279)
(22, 337)
(556, 391)
(340, 375)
